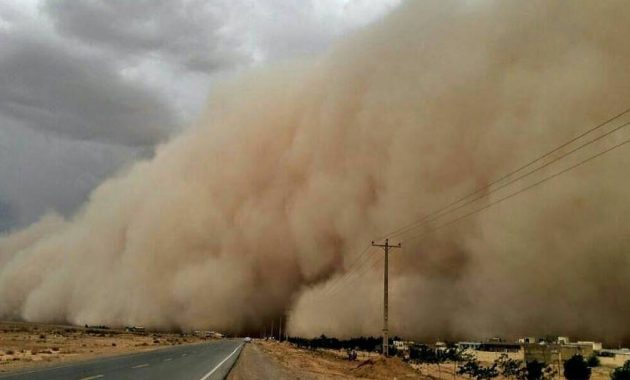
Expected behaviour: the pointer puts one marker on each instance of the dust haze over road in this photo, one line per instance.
(294, 168)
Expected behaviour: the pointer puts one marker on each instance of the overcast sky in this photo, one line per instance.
(88, 86)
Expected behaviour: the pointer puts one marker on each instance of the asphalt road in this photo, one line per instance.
(208, 361)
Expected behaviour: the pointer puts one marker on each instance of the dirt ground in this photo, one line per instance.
(254, 364)
(25, 345)
(273, 360)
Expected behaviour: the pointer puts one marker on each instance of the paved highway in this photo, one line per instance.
(206, 361)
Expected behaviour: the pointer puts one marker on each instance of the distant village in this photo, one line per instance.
(544, 350)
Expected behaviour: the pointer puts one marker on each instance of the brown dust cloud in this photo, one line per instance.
(252, 212)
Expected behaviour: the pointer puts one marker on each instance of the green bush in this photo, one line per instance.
(576, 368)
(621, 373)
(473, 368)
(535, 370)
(593, 361)
(510, 368)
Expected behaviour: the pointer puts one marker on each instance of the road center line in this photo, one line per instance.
(140, 365)
(168, 359)
(207, 375)
(91, 377)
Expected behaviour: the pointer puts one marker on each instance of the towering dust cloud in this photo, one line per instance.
(293, 169)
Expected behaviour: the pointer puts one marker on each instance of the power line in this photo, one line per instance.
(412, 225)
(448, 208)
(523, 189)
(443, 211)
(355, 272)
(356, 275)
(335, 285)
(359, 257)
(437, 215)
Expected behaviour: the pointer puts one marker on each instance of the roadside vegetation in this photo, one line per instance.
(370, 344)
(621, 373)
(451, 361)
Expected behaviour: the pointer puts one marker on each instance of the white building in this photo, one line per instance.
(597, 346)
(563, 340)
(468, 345)
(402, 345)
(527, 340)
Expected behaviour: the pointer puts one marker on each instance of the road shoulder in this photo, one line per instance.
(273, 360)
(254, 364)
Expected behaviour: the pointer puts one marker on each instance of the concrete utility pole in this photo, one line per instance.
(280, 332)
(386, 248)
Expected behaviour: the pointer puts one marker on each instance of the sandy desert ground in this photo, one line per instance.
(25, 345)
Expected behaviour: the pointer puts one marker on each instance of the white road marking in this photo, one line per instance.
(105, 360)
(91, 377)
(168, 359)
(140, 365)
(207, 375)
(184, 354)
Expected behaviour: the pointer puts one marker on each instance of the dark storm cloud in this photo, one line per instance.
(41, 172)
(47, 86)
(87, 87)
(189, 33)
(7, 216)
